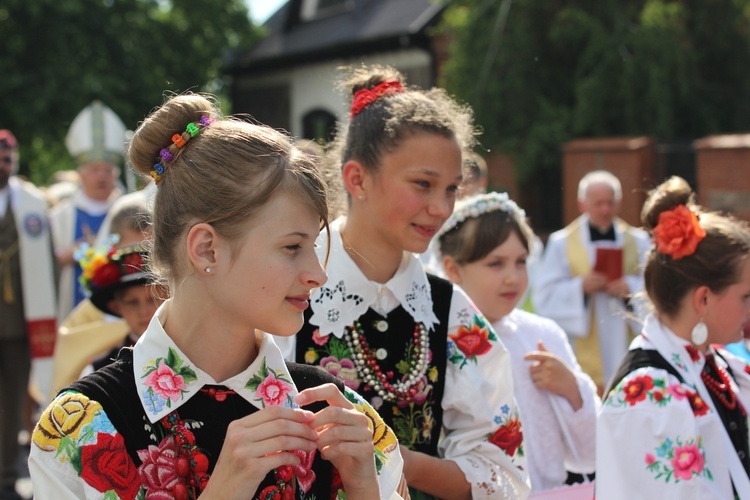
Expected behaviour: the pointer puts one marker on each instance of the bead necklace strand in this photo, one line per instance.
(719, 388)
(374, 377)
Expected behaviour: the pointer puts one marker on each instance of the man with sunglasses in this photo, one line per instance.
(27, 301)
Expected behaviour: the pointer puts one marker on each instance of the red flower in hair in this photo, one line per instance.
(678, 232)
(132, 263)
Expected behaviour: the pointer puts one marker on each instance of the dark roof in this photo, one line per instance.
(369, 26)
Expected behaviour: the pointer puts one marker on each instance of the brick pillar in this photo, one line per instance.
(722, 168)
(501, 174)
(631, 159)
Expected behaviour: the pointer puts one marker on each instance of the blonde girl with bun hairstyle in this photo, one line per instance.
(204, 405)
(674, 420)
(414, 345)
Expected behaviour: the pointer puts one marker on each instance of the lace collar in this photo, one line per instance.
(166, 379)
(348, 293)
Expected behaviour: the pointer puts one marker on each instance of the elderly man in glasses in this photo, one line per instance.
(27, 300)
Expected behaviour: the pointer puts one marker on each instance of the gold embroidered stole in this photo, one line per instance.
(587, 348)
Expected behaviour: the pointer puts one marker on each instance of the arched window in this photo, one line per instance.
(319, 125)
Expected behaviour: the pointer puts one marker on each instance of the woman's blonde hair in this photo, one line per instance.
(222, 176)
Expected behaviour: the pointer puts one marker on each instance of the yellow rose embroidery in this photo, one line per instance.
(311, 356)
(382, 436)
(432, 374)
(63, 417)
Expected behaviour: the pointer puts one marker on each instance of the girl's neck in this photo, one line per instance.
(682, 326)
(378, 260)
(209, 338)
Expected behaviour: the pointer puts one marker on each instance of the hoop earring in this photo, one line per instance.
(207, 269)
(699, 335)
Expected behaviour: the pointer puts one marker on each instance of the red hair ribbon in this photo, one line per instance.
(365, 97)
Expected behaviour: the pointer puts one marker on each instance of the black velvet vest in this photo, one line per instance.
(114, 387)
(416, 421)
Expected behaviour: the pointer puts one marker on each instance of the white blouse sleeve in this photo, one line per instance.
(652, 435)
(481, 420)
(578, 423)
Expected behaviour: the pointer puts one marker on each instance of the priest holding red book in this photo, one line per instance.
(589, 277)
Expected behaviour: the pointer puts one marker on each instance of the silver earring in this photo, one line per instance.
(699, 335)
(207, 269)
(360, 197)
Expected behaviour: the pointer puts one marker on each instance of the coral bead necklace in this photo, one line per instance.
(369, 369)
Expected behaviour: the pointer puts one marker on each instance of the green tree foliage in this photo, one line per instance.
(544, 72)
(58, 56)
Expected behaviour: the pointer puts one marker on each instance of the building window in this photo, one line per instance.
(315, 9)
(319, 125)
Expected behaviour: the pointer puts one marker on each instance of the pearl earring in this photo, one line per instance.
(699, 335)
(207, 269)
(360, 197)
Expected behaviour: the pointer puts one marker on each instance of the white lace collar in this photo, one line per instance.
(348, 293)
(166, 379)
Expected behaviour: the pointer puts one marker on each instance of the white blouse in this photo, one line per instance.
(481, 424)
(557, 438)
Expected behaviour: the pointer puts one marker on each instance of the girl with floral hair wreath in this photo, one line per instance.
(484, 247)
(413, 344)
(204, 404)
(674, 423)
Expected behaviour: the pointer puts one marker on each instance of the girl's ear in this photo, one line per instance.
(202, 241)
(452, 269)
(354, 175)
(700, 300)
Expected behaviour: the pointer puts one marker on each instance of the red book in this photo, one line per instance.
(609, 263)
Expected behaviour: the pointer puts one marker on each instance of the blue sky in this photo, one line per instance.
(260, 10)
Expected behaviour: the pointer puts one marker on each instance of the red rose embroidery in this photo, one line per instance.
(693, 352)
(508, 437)
(474, 342)
(678, 232)
(636, 389)
(160, 469)
(697, 404)
(107, 466)
(106, 275)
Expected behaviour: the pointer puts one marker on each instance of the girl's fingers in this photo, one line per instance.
(295, 424)
(326, 392)
(347, 449)
(333, 415)
(344, 433)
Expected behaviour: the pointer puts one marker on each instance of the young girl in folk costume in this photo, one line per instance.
(674, 424)
(204, 405)
(411, 343)
(484, 247)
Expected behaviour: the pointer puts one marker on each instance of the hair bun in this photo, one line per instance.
(669, 194)
(156, 131)
(369, 77)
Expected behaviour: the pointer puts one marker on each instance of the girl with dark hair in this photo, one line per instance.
(413, 344)
(674, 422)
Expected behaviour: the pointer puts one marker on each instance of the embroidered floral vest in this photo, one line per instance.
(176, 455)
(417, 421)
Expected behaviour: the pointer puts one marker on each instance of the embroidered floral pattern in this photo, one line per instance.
(473, 338)
(678, 461)
(644, 388)
(509, 435)
(271, 387)
(335, 358)
(77, 431)
(166, 380)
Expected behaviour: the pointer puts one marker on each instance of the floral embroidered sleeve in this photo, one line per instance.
(651, 433)
(483, 432)
(388, 460)
(76, 453)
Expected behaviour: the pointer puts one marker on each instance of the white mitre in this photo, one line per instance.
(96, 134)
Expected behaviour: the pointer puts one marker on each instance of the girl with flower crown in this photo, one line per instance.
(484, 247)
(674, 423)
(204, 404)
(411, 343)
